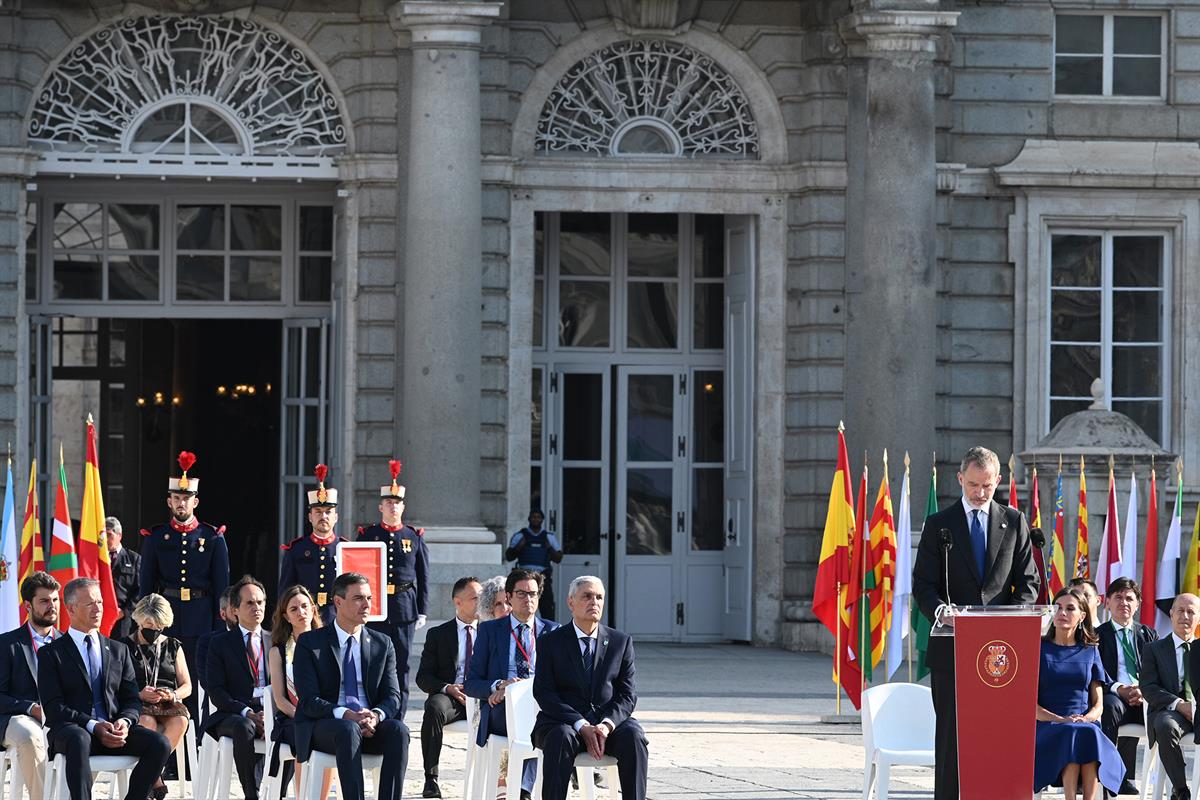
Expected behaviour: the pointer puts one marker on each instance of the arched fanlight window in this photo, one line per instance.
(186, 128)
(646, 137)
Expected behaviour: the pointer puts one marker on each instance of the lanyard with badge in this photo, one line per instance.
(521, 647)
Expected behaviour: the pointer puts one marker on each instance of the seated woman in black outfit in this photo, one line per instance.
(161, 671)
(295, 613)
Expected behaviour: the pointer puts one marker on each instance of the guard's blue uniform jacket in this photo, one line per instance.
(408, 570)
(535, 555)
(188, 565)
(312, 564)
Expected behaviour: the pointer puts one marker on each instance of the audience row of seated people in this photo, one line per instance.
(334, 688)
(1095, 678)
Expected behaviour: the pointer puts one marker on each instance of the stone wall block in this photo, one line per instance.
(1119, 121)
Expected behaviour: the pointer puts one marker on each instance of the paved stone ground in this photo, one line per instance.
(725, 722)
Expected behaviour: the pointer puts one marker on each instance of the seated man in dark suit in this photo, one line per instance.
(348, 695)
(1121, 641)
(443, 669)
(1170, 700)
(238, 678)
(507, 652)
(229, 617)
(585, 688)
(21, 714)
(90, 699)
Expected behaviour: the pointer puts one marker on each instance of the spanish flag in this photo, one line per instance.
(93, 545)
(832, 590)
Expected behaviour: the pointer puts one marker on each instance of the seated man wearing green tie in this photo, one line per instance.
(1167, 679)
(1121, 641)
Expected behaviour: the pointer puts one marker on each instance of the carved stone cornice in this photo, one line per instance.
(899, 34)
(436, 23)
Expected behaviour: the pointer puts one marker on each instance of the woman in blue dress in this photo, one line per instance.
(1071, 749)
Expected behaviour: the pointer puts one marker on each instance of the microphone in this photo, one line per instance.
(947, 542)
(1037, 537)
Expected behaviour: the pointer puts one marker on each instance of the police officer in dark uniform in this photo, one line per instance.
(187, 562)
(537, 550)
(310, 561)
(126, 571)
(408, 574)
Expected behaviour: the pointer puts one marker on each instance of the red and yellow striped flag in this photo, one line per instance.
(1083, 567)
(883, 545)
(93, 545)
(862, 583)
(32, 558)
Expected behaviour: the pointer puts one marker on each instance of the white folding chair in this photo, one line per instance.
(520, 711)
(587, 786)
(319, 761)
(117, 768)
(9, 766)
(468, 727)
(272, 785)
(217, 765)
(187, 753)
(898, 728)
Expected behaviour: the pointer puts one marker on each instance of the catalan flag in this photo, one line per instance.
(93, 547)
(883, 546)
(833, 575)
(1083, 567)
(31, 558)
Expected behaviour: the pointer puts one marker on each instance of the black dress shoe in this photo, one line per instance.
(431, 788)
(1181, 794)
(1128, 787)
(525, 795)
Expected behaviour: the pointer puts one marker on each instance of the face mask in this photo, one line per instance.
(150, 635)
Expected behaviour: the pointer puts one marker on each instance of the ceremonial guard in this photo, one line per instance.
(187, 562)
(408, 573)
(537, 550)
(310, 561)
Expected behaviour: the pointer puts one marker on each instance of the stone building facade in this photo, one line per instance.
(628, 260)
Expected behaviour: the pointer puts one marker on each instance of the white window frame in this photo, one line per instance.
(1105, 290)
(1107, 56)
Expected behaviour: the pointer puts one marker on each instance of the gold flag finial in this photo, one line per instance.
(1012, 462)
(885, 459)
(906, 462)
(89, 419)
(1060, 462)
(841, 427)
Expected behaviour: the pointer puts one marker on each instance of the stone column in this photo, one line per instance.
(891, 377)
(439, 384)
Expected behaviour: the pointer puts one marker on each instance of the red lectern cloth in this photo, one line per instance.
(996, 661)
(370, 559)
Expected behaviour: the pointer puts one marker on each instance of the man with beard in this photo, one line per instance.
(407, 571)
(187, 562)
(311, 561)
(21, 714)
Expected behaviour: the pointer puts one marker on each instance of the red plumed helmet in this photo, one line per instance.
(321, 471)
(395, 466)
(186, 460)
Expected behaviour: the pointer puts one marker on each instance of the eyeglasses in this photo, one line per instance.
(526, 595)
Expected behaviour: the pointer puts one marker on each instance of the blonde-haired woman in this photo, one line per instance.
(295, 613)
(161, 671)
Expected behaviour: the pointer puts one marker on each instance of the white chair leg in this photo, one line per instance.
(587, 783)
(868, 779)
(224, 772)
(614, 782)
(491, 772)
(512, 781)
(881, 790)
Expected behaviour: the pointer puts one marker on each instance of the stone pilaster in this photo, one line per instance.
(442, 273)
(891, 231)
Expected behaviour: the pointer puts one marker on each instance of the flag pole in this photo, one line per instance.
(837, 651)
(907, 495)
(862, 582)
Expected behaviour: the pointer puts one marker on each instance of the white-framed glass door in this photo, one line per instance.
(305, 411)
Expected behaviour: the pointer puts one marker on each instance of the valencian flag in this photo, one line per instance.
(1058, 557)
(1191, 568)
(900, 626)
(1035, 511)
(10, 593)
(1083, 567)
(62, 565)
(1150, 559)
(93, 545)
(862, 566)
(31, 558)
(833, 574)
(883, 547)
(921, 625)
(1109, 566)
(1168, 568)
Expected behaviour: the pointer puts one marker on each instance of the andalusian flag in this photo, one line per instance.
(1191, 568)
(901, 626)
(62, 564)
(10, 590)
(93, 545)
(1058, 557)
(1035, 509)
(1150, 559)
(862, 569)
(922, 625)
(832, 588)
(1083, 567)
(1168, 569)
(883, 547)
(31, 559)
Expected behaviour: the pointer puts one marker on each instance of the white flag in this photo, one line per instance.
(1129, 548)
(903, 592)
(1166, 585)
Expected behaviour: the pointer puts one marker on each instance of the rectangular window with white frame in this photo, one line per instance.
(1109, 320)
(1122, 56)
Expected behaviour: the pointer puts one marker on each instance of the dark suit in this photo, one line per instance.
(318, 676)
(18, 684)
(66, 692)
(230, 688)
(1162, 685)
(1116, 711)
(1010, 578)
(566, 697)
(126, 566)
(490, 663)
(439, 667)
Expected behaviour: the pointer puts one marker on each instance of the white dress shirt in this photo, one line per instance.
(1123, 676)
(78, 637)
(1178, 643)
(356, 653)
(460, 661)
(983, 514)
(579, 637)
(259, 688)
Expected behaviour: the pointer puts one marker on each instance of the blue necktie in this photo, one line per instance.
(588, 665)
(978, 541)
(522, 661)
(94, 675)
(350, 678)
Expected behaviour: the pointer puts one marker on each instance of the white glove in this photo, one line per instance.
(420, 621)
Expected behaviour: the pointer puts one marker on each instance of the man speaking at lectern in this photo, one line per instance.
(974, 552)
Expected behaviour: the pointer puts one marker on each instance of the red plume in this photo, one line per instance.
(395, 466)
(186, 460)
(321, 471)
